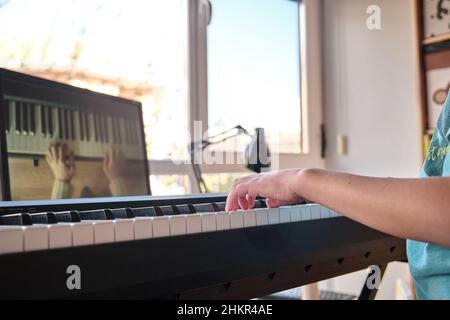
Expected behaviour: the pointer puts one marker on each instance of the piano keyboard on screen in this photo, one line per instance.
(178, 248)
(31, 126)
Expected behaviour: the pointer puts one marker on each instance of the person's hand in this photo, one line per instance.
(279, 188)
(61, 161)
(113, 163)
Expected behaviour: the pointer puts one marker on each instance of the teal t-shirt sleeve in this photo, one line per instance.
(429, 263)
(439, 146)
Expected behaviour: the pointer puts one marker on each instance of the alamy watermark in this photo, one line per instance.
(73, 281)
(373, 21)
(374, 278)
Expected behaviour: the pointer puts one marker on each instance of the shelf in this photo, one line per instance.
(436, 39)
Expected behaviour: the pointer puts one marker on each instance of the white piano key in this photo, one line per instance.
(161, 227)
(59, 236)
(296, 213)
(109, 129)
(305, 211)
(208, 222)
(285, 214)
(177, 225)
(26, 127)
(223, 221)
(12, 132)
(193, 223)
(124, 229)
(249, 218)
(103, 231)
(324, 212)
(262, 217)
(92, 147)
(82, 234)
(236, 220)
(35, 237)
(143, 228)
(315, 211)
(11, 239)
(274, 215)
(40, 147)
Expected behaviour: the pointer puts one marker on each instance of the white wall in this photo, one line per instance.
(369, 95)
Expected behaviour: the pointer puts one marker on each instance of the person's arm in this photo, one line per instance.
(61, 190)
(416, 209)
(114, 168)
(62, 165)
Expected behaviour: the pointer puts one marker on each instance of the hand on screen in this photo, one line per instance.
(61, 161)
(113, 163)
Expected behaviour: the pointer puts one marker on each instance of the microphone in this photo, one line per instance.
(257, 153)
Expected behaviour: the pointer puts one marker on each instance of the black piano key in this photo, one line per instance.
(164, 211)
(43, 218)
(68, 217)
(7, 120)
(81, 125)
(130, 213)
(144, 212)
(185, 209)
(105, 128)
(19, 219)
(96, 215)
(50, 121)
(113, 132)
(97, 128)
(32, 112)
(102, 128)
(66, 124)
(130, 130)
(43, 120)
(72, 124)
(60, 123)
(25, 119)
(119, 131)
(96, 134)
(124, 130)
(122, 213)
(260, 204)
(87, 126)
(219, 206)
(18, 117)
(203, 207)
(127, 131)
(114, 129)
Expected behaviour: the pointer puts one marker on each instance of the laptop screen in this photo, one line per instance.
(60, 142)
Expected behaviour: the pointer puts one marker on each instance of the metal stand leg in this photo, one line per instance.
(310, 292)
(370, 293)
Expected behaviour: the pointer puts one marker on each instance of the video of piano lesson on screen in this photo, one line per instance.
(256, 150)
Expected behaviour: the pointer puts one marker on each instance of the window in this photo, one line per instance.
(254, 69)
(136, 50)
(244, 68)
